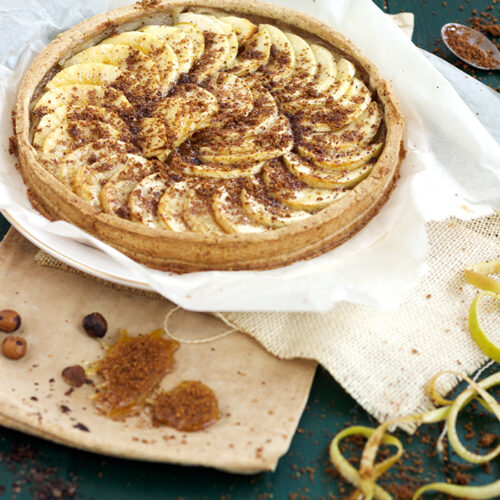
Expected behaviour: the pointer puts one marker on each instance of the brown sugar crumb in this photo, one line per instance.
(463, 42)
(81, 427)
(488, 440)
(13, 145)
(191, 406)
(401, 491)
(131, 369)
(147, 4)
(492, 29)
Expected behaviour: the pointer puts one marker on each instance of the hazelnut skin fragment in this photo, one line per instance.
(74, 376)
(95, 325)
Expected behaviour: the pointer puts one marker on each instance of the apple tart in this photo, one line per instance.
(201, 135)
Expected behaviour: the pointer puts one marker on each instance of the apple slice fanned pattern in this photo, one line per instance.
(213, 124)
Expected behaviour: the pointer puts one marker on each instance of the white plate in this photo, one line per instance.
(100, 266)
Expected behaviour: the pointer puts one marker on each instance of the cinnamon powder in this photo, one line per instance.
(464, 43)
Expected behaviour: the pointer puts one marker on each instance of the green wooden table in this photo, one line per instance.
(34, 468)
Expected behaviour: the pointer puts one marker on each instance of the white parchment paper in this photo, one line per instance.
(452, 168)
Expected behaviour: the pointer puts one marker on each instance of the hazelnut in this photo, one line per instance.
(74, 375)
(10, 320)
(14, 347)
(95, 325)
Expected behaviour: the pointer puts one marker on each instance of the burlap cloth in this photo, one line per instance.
(386, 359)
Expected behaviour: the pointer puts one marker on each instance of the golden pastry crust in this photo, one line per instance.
(191, 251)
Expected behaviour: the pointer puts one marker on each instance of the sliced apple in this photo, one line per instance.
(328, 100)
(57, 118)
(263, 210)
(344, 160)
(232, 39)
(305, 67)
(243, 28)
(327, 68)
(198, 214)
(171, 206)
(90, 74)
(90, 178)
(153, 138)
(144, 198)
(87, 154)
(81, 95)
(179, 41)
(160, 51)
(359, 133)
(345, 69)
(318, 177)
(196, 37)
(218, 49)
(281, 62)
(213, 170)
(204, 22)
(115, 193)
(325, 78)
(233, 95)
(176, 118)
(47, 124)
(123, 56)
(262, 118)
(255, 54)
(213, 58)
(293, 193)
(229, 213)
(346, 110)
(356, 99)
(271, 144)
(74, 134)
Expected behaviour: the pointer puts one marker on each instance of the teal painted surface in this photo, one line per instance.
(304, 470)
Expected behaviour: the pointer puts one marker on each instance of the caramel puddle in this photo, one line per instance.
(132, 368)
(191, 406)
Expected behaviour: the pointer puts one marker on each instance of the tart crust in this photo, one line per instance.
(189, 251)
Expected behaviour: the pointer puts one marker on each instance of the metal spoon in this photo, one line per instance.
(476, 38)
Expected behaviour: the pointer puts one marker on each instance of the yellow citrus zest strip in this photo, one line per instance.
(436, 398)
(460, 402)
(365, 479)
(491, 490)
(439, 400)
(350, 473)
(476, 275)
(477, 333)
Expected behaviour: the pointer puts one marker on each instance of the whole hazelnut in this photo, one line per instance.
(95, 325)
(14, 347)
(10, 320)
(74, 375)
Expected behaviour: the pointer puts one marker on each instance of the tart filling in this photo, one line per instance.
(210, 122)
